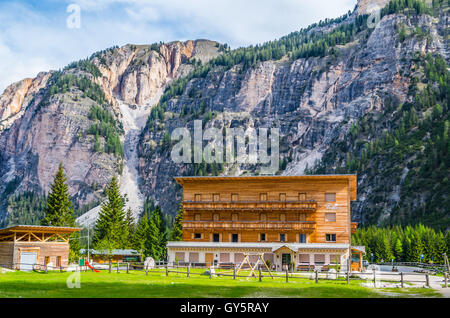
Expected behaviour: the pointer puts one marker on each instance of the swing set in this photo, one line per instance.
(253, 268)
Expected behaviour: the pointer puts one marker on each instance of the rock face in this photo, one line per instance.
(370, 6)
(314, 101)
(41, 129)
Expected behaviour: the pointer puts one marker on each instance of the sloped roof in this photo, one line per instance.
(39, 228)
(271, 246)
(122, 252)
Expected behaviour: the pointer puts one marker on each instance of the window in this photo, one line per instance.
(197, 217)
(234, 238)
(216, 197)
(234, 217)
(197, 236)
(58, 261)
(302, 196)
(216, 237)
(262, 237)
(331, 237)
(282, 217)
(216, 217)
(46, 260)
(234, 197)
(330, 197)
(263, 197)
(319, 259)
(198, 197)
(282, 237)
(302, 238)
(302, 217)
(330, 217)
(282, 196)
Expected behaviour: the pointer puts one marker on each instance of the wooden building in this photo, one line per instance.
(301, 220)
(23, 246)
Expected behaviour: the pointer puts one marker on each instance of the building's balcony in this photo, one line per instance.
(353, 227)
(305, 206)
(307, 226)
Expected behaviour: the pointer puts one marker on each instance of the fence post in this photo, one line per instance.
(46, 265)
(110, 266)
(60, 268)
(374, 278)
(118, 266)
(210, 273)
(188, 270)
(260, 277)
(427, 280)
(401, 279)
(445, 279)
(128, 267)
(348, 277)
(287, 275)
(317, 276)
(167, 269)
(234, 272)
(146, 269)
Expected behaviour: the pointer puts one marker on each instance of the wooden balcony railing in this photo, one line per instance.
(249, 225)
(307, 206)
(354, 227)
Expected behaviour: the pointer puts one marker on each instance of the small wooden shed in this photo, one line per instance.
(24, 246)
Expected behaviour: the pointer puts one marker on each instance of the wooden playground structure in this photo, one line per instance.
(253, 268)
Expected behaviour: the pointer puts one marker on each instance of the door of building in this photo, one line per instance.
(27, 260)
(209, 259)
(285, 260)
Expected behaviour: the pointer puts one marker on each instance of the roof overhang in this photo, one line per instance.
(39, 229)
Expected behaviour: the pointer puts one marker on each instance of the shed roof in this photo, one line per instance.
(121, 252)
(39, 229)
(271, 246)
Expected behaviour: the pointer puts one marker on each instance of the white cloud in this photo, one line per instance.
(33, 41)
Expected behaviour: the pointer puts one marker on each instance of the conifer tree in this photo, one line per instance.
(59, 210)
(140, 237)
(131, 227)
(111, 223)
(157, 235)
(177, 230)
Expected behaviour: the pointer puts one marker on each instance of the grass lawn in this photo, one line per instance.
(156, 284)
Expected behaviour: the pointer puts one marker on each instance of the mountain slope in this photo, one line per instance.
(113, 113)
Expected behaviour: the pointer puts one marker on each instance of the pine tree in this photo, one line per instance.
(140, 237)
(59, 210)
(131, 227)
(177, 230)
(398, 250)
(157, 235)
(111, 223)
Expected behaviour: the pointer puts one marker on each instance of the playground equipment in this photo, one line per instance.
(253, 268)
(89, 265)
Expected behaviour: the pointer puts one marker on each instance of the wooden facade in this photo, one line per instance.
(43, 245)
(303, 220)
(268, 209)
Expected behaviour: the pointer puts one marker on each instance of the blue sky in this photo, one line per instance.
(34, 35)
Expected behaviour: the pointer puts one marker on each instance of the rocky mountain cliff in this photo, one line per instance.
(113, 112)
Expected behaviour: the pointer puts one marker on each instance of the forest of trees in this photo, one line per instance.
(380, 147)
(403, 244)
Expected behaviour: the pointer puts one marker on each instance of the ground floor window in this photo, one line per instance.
(262, 237)
(319, 259)
(193, 257)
